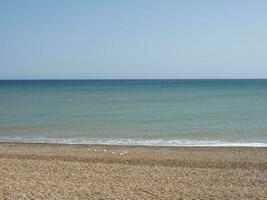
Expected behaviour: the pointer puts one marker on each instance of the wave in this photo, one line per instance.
(134, 142)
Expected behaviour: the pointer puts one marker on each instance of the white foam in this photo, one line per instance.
(140, 142)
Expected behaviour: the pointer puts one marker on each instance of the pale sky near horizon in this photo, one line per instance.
(61, 39)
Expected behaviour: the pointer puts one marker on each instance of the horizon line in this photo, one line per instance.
(114, 79)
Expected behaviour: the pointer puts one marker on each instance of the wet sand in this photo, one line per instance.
(49, 171)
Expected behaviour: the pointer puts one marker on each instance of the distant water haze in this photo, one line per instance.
(140, 112)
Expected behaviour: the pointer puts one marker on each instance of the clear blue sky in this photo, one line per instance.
(133, 39)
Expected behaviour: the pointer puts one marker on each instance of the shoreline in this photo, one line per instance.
(64, 171)
(142, 143)
(47, 144)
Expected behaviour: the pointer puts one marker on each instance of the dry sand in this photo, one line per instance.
(46, 171)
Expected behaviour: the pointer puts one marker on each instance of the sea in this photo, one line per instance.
(135, 112)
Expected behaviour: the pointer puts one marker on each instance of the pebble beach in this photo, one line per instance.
(54, 171)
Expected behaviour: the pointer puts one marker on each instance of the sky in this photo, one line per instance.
(137, 39)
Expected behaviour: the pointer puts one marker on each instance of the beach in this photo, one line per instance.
(61, 171)
(133, 100)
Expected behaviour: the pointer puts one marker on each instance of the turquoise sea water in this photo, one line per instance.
(140, 112)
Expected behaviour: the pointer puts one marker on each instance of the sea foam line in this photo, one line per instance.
(137, 142)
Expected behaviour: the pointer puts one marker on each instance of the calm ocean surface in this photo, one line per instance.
(138, 112)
